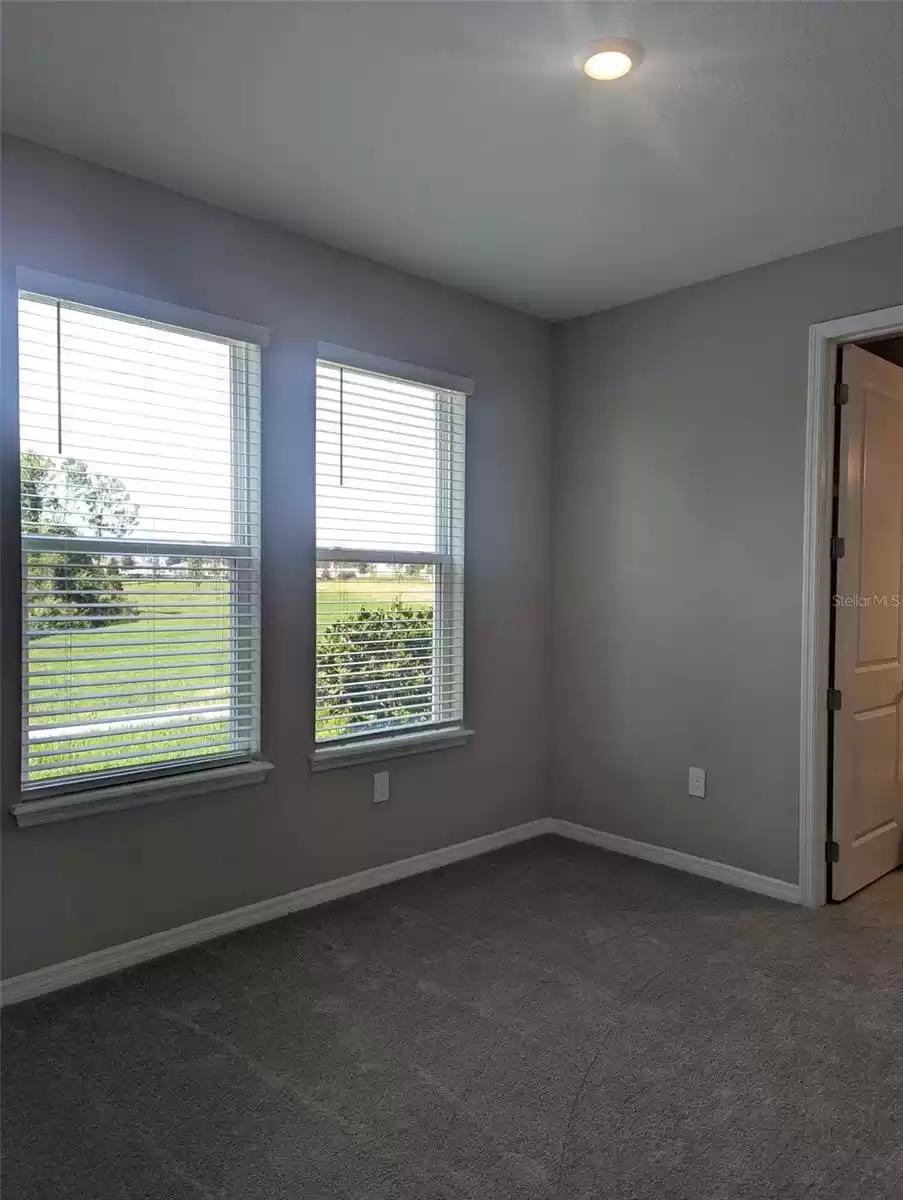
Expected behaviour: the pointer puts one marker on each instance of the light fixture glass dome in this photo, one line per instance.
(609, 59)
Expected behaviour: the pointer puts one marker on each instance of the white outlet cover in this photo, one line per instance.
(380, 787)
(696, 785)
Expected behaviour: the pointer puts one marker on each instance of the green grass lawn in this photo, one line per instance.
(148, 663)
(153, 663)
(189, 664)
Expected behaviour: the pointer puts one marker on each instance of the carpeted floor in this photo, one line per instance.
(548, 1021)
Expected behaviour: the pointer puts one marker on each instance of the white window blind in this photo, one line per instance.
(390, 554)
(140, 546)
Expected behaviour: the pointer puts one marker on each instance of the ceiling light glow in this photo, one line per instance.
(608, 60)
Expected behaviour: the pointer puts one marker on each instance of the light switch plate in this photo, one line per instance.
(380, 787)
(697, 782)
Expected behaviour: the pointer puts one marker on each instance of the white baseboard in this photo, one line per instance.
(129, 954)
(749, 881)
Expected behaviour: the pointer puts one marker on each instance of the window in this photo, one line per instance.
(390, 555)
(140, 547)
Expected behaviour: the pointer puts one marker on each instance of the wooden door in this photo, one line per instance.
(868, 647)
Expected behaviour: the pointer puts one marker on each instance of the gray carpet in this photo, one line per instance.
(549, 1021)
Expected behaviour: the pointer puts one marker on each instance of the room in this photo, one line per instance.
(451, 548)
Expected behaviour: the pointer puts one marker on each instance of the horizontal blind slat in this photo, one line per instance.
(156, 729)
(125, 663)
(218, 746)
(137, 688)
(158, 705)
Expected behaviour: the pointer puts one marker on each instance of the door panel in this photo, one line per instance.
(881, 547)
(868, 647)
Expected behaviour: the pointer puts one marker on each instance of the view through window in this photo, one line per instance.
(390, 547)
(140, 545)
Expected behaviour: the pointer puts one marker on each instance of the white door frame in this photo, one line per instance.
(823, 342)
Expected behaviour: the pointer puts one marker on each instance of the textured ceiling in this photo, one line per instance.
(456, 140)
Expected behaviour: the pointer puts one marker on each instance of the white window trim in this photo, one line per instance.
(72, 797)
(414, 740)
(111, 797)
(95, 295)
(362, 360)
(328, 755)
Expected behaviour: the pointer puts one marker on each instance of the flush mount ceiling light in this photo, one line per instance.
(609, 59)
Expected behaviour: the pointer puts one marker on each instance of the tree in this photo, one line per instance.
(62, 498)
(375, 667)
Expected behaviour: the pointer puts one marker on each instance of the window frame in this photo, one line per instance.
(58, 799)
(447, 559)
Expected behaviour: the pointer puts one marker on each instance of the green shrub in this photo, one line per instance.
(375, 668)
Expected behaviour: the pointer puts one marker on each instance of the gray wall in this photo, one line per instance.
(88, 883)
(677, 534)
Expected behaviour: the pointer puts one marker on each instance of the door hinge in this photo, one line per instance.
(835, 700)
(838, 547)
(841, 393)
(832, 852)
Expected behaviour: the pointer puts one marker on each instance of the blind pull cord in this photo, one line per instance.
(341, 426)
(59, 382)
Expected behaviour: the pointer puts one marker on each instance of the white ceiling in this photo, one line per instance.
(456, 140)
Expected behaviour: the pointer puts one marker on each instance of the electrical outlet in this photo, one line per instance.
(697, 782)
(380, 787)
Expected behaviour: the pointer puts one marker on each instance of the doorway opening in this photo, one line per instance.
(851, 798)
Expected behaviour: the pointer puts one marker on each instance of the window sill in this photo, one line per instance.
(69, 805)
(349, 754)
